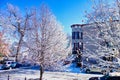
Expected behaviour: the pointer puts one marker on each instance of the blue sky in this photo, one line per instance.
(67, 12)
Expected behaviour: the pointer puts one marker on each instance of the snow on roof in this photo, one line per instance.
(81, 25)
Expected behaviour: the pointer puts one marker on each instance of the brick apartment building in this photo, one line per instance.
(77, 37)
(88, 37)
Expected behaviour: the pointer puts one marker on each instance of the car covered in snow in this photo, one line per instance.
(9, 64)
(93, 69)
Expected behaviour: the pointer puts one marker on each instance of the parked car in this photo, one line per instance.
(103, 69)
(9, 64)
(105, 78)
(110, 76)
(94, 78)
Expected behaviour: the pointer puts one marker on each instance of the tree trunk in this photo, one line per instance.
(41, 72)
(18, 48)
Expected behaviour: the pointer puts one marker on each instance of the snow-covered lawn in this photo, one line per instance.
(20, 74)
(68, 76)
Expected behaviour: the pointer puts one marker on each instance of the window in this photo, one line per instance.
(106, 43)
(76, 46)
(77, 35)
(109, 44)
(81, 46)
(81, 35)
(73, 35)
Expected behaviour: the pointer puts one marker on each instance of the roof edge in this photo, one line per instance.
(81, 25)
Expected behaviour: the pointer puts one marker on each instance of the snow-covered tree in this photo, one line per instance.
(47, 43)
(15, 24)
(103, 33)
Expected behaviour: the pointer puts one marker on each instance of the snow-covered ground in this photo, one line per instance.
(72, 68)
(70, 73)
(20, 74)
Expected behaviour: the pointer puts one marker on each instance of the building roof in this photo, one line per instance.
(73, 25)
(81, 25)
